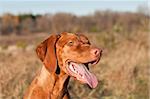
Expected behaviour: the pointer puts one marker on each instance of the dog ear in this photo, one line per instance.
(83, 38)
(46, 52)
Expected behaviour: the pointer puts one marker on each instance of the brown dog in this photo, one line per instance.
(63, 56)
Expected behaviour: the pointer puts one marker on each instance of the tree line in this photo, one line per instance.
(100, 21)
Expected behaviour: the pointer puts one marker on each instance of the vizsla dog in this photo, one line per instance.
(64, 56)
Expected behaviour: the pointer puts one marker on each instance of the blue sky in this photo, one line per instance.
(78, 7)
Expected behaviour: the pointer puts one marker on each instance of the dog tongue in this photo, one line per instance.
(88, 77)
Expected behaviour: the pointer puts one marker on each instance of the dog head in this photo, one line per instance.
(73, 53)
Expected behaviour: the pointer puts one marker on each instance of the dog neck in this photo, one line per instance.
(55, 84)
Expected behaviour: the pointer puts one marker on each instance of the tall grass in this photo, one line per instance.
(122, 71)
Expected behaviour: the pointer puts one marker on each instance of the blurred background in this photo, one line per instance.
(121, 28)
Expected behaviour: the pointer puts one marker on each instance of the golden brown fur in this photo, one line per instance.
(51, 82)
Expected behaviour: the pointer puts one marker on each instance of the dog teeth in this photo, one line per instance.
(75, 71)
(82, 76)
(71, 68)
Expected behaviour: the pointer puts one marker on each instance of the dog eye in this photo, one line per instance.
(70, 43)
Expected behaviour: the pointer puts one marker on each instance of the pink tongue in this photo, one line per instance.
(89, 78)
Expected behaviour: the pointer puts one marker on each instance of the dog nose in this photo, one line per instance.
(96, 51)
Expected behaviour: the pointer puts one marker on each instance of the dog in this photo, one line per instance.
(65, 55)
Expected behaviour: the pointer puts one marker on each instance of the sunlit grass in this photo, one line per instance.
(122, 71)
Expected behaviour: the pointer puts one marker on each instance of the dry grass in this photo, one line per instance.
(122, 71)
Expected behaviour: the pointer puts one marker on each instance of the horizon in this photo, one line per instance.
(80, 8)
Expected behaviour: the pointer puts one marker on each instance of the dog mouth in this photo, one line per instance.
(81, 72)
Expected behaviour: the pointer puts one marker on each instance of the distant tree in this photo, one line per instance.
(101, 21)
(143, 9)
(0, 26)
(9, 24)
(63, 22)
(44, 23)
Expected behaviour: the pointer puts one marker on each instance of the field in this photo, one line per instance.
(122, 71)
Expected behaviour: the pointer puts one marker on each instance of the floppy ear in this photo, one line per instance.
(46, 52)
